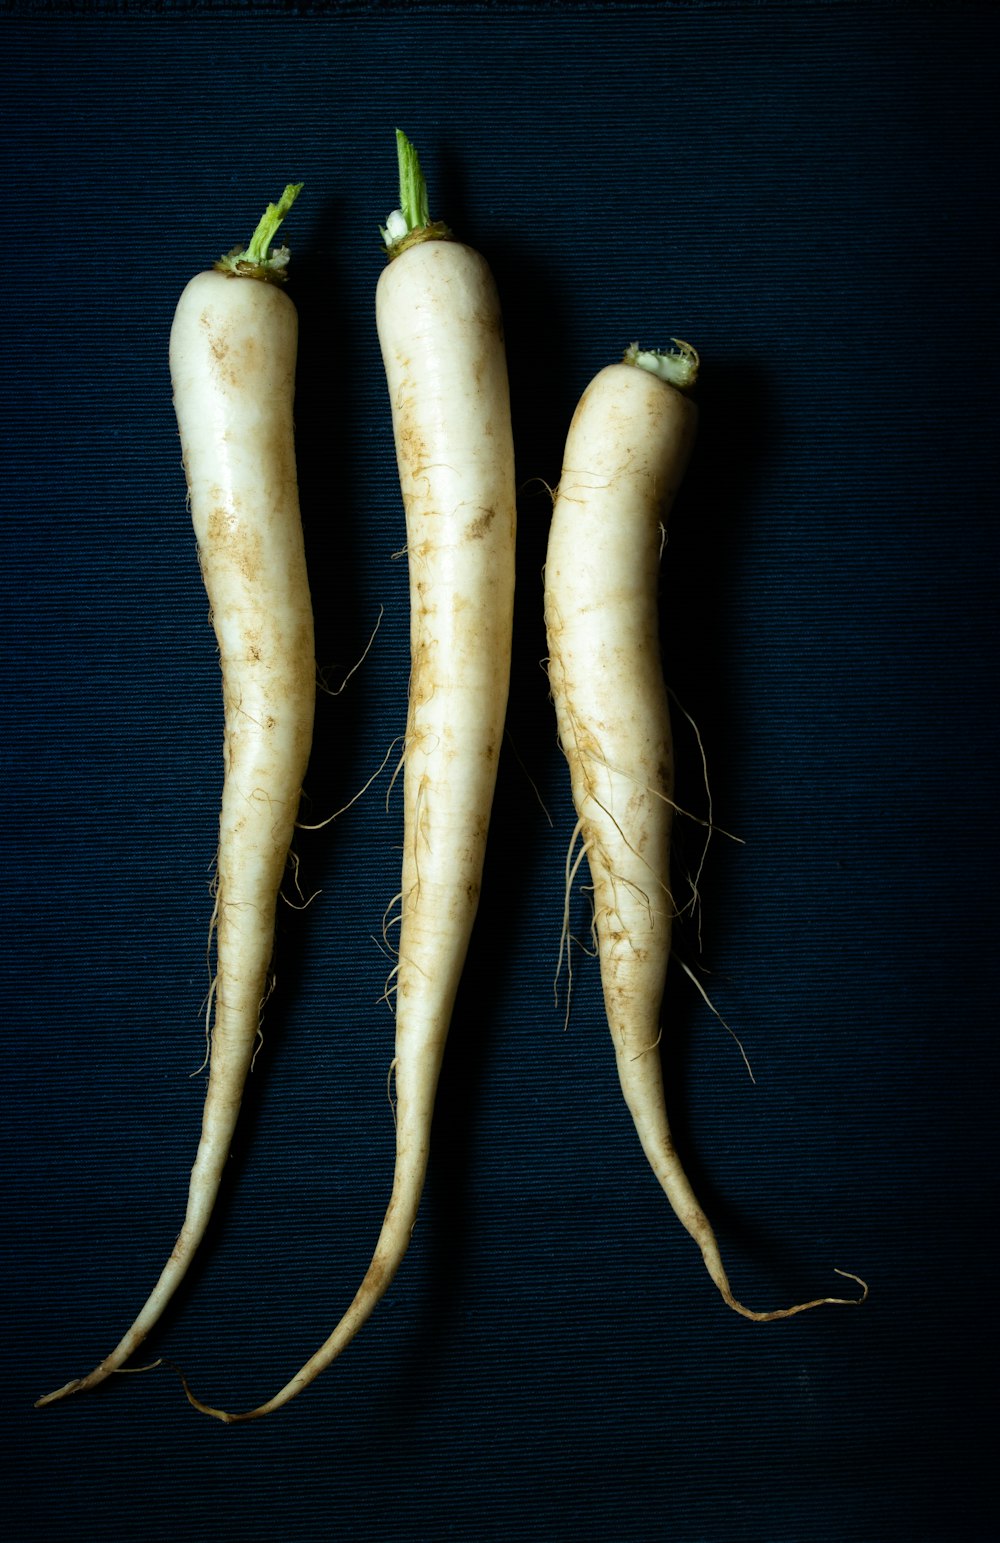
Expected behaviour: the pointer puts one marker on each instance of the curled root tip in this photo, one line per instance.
(800, 1307)
(852, 1301)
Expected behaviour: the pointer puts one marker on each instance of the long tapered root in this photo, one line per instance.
(397, 1228)
(441, 335)
(371, 1292)
(625, 454)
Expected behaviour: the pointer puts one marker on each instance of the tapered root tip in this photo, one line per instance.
(94, 1379)
(63, 1392)
(196, 1403)
(800, 1307)
(223, 1415)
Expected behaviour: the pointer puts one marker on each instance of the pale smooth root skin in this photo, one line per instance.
(232, 360)
(441, 334)
(626, 451)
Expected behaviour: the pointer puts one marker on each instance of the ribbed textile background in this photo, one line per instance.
(808, 193)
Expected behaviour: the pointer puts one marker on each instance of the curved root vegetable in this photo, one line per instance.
(626, 451)
(441, 335)
(232, 361)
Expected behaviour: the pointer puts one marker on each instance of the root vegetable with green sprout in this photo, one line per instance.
(441, 335)
(232, 362)
(626, 452)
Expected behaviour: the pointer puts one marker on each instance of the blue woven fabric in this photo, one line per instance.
(807, 193)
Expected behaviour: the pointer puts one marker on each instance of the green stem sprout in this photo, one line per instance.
(411, 222)
(257, 260)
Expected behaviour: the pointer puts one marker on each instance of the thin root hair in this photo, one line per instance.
(593, 486)
(572, 868)
(531, 481)
(335, 691)
(392, 921)
(295, 863)
(620, 878)
(390, 1089)
(258, 1043)
(306, 902)
(709, 821)
(685, 814)
(711, 1005)
(531, 781)
(389, 990)
(359, 794)
(213, 979)
(653, 1045)
(399, 767)
(206, 1009)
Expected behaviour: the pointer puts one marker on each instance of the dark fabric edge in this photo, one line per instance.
(250, 10)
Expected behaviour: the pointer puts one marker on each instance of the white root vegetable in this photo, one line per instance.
(625, 455)
(232, 362)
(441, 334)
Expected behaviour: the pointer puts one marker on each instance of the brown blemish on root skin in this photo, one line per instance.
(489, 323)
(481, 524)
(226, 537)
